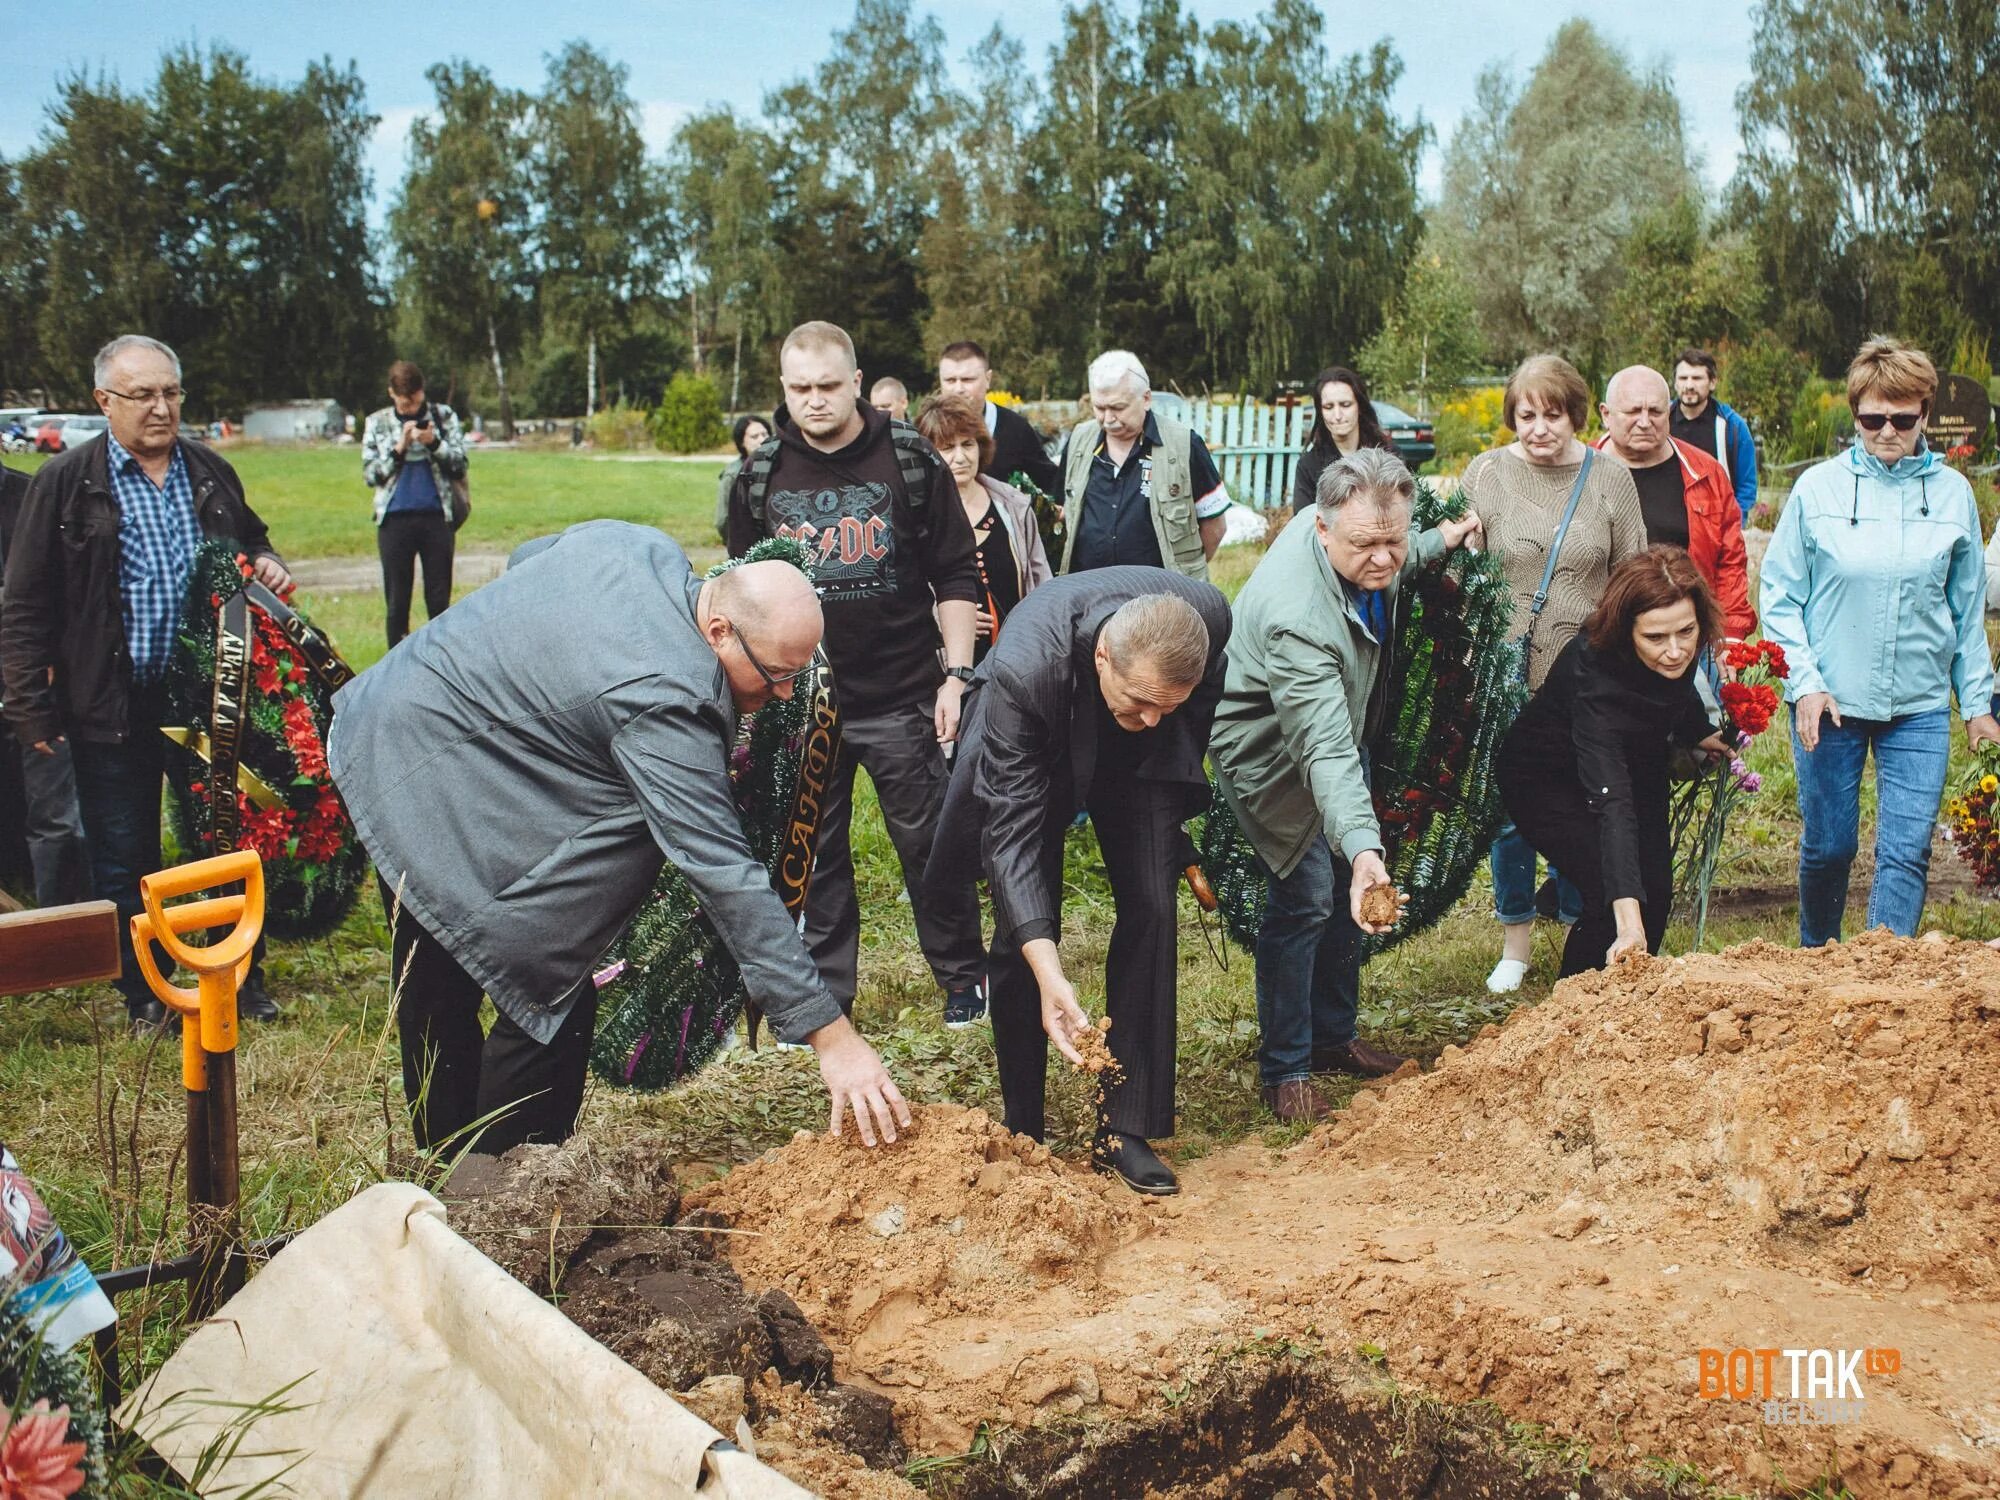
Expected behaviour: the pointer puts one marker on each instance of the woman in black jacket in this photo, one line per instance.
(1343, 419)
(1583, 772)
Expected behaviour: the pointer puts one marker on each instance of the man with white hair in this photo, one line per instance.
(100, 560)
(1141, 490)
(1684, 494)
(1306, 692)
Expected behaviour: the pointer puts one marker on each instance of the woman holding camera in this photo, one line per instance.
(411, 452)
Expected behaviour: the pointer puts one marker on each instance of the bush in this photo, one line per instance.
(689, 416)
(1763, 378)
(618, 429)
(1818, 416)
(1467, 425)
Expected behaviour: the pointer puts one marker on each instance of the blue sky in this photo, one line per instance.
(684, 54)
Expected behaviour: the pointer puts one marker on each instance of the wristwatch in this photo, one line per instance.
(963, 674)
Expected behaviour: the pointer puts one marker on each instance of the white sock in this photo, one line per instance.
(1507, 976)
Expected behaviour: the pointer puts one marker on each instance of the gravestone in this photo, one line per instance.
(1959, 415)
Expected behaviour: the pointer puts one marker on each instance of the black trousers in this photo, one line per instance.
(899, 750)
(1139, 831)
(1552, 815)
(402, 538)
(455, 1075)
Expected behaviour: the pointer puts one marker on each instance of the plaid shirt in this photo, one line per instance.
(158, 534)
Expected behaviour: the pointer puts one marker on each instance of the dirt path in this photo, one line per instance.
(1766, 1149)
(470, 567)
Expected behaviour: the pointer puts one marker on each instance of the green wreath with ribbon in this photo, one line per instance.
(672, 991)
(249, 701)
(1455, 681)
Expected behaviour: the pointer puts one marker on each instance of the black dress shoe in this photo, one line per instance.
(1135, 1163)
(253, 1003)
(148, 1016)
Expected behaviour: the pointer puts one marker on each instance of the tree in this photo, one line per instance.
(1544, 186)
(1687, 281)
(984, 274)
(463, 224)
(1866, 173)
(719, 181)
(1430, 337)
(852, 188)
(1293, 205)
(220, 213)
(605, 245)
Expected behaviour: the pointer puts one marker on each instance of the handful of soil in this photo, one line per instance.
(1380, 906)
(1095, 1046)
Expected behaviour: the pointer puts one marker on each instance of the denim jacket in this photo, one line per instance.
(1875, 588)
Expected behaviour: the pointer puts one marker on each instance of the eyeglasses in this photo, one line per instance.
(772, 679)
(172, 395)
(1902, 421)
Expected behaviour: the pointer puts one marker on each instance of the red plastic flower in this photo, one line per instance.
(35, 1462)
(302, 734)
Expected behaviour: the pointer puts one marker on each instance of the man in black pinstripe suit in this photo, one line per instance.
(1099, 694)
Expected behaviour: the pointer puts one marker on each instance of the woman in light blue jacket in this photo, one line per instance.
(1874, 586)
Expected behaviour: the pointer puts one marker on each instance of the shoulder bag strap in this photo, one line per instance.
(1555, 551)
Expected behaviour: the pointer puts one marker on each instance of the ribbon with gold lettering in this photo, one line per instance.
(819, 748)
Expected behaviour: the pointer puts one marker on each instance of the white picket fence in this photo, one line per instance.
(1256, 447)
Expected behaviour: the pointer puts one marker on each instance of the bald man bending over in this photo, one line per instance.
(519, 768)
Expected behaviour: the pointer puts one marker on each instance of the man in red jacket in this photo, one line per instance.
(1684, 493)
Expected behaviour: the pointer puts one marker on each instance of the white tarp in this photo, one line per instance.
(424, 1371)
(1242, 524)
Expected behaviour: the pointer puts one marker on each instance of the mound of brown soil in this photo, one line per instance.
(1768, 1149)
(1830, 1113)
(958, 1214)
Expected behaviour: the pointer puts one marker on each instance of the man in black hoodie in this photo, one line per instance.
(894, 565)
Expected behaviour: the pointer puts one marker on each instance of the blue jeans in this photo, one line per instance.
(1308, 966)
(118, 790)
(1910, 757)
(1512, 860)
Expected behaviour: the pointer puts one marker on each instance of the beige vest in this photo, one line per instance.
(1170, 486)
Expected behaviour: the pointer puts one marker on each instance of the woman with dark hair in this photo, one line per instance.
(1008, 549)
(1583, 772)
(749, 434)
(1343, 419)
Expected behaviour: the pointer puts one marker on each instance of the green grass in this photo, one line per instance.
(97, 1117)
(313, 499)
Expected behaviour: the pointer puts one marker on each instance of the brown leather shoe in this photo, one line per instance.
(1357, 1058)
(1295, 1099)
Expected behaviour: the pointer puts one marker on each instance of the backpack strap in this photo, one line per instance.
(915, 458)
(760, 465)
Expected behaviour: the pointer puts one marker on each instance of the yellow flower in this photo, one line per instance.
(1989, 784)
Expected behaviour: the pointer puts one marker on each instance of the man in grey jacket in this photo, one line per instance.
(519, 769)
(1305, 693)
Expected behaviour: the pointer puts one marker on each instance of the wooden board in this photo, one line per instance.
(58, 946)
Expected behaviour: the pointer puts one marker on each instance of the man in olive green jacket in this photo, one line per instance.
(1304, 694)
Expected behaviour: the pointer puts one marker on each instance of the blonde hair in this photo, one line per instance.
(1548, 377)
(1165, 632)
(1891, 369)
(819, 335)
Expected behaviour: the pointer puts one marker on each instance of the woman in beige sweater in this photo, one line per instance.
(1522, 492)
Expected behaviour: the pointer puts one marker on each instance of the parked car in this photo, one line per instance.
(1415, 441)
(55, 430)
(77, 431)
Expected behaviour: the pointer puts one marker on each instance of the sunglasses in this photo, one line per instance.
(1873, 421)
(772, 679)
